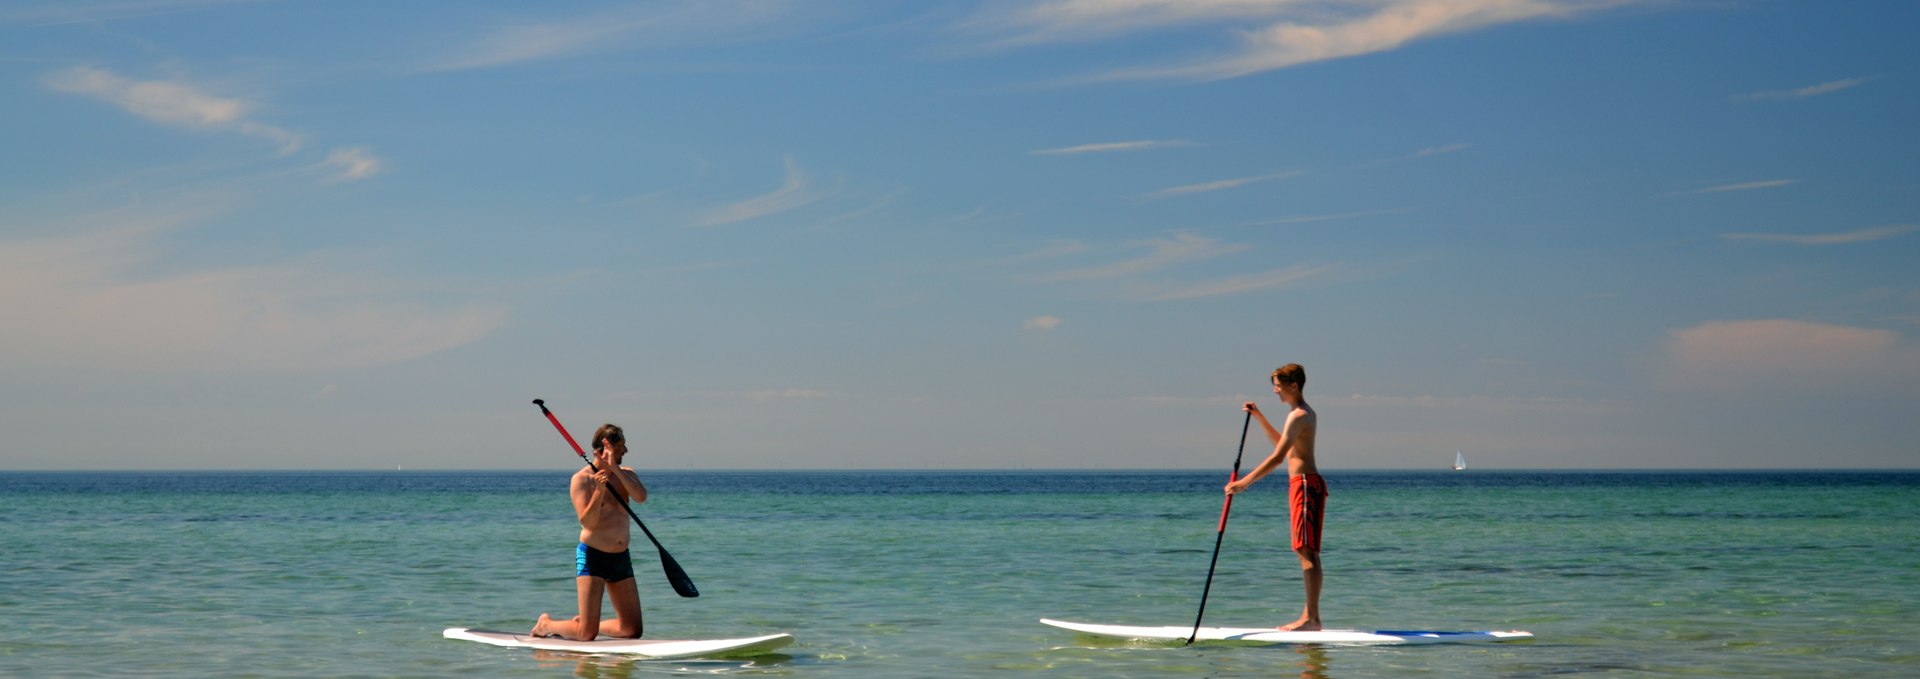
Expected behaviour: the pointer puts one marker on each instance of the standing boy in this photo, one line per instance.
(601, 562)
(1306, 491)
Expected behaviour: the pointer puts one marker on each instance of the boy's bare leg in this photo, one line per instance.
(1309, 573)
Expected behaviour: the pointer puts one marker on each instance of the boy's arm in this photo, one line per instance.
(1282, 446)
(1273, 435)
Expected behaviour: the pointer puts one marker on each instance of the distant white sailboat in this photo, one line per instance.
(1459, 461)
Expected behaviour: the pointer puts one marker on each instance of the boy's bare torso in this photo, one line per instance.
(1302, 424)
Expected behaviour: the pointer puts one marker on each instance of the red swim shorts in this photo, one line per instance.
(1307, 502)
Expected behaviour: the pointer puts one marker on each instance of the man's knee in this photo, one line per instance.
(627, 629)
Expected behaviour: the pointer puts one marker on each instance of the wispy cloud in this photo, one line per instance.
(1058, 248)
(1221, 185)
(1266, 280)
(1842, 238)
(1110, 147)
(783, 394)
(870, 208)
(1042, 323)
(93, 307)
(725, 395)
(1272, 34)
(1742, 186)
(1422, 153)
(1784, 354)
(797, 191)
(1053, 250)
(1308, 219)
(353, 164)
(58, 13)
(1804, 92)
(1181, 248)
(172, 103)
(630, 26)
(1480, 403)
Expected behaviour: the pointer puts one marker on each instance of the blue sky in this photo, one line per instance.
(1045, 234)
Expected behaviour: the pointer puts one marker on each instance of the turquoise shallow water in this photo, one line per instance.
(897, 574)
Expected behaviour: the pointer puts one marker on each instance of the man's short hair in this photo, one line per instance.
(607, 432)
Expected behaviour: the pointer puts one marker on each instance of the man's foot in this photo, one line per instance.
(1301, 625)
(540, 626)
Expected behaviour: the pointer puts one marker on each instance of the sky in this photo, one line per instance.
(1041, 234)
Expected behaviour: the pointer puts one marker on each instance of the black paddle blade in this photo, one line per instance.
(682, 585)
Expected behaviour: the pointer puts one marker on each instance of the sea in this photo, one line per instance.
(947, 573)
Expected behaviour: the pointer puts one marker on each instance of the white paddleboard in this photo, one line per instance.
(1269, 635)
(652, 649)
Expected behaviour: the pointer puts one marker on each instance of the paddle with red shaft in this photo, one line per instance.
(682, 585)
(1222, 535)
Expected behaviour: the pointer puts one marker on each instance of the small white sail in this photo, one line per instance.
(1459, 461)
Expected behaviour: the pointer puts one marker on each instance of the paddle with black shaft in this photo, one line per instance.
(682, 585)
(1222, 535)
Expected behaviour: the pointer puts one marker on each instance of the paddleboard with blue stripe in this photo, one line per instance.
(1269, 635)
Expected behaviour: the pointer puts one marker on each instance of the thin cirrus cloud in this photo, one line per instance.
(1309, 219)
(1841, 238)
(62, 13)
(172, 103)
(1422, 153)
(353, 164)
(1163, 253)
(1235, 285)
(1736, 187)
(1111, 147)
(1787, 356)
(633, 26)
(1803, 92)
(1042, 323)
(796, 191)
(1221, 185)
(1181, 248)
(1272, 34)
(93, 308)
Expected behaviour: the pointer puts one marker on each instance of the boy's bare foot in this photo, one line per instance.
(1301, 625)
(540, 626)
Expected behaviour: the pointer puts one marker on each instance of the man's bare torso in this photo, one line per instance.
(602, 527)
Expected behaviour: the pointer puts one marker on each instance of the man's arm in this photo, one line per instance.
(620, 479)
(630, 485)
(587, 493)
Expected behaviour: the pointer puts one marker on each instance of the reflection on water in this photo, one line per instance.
(1313, 661)
(590, 666)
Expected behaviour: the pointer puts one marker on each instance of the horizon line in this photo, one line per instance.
(937, 470)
